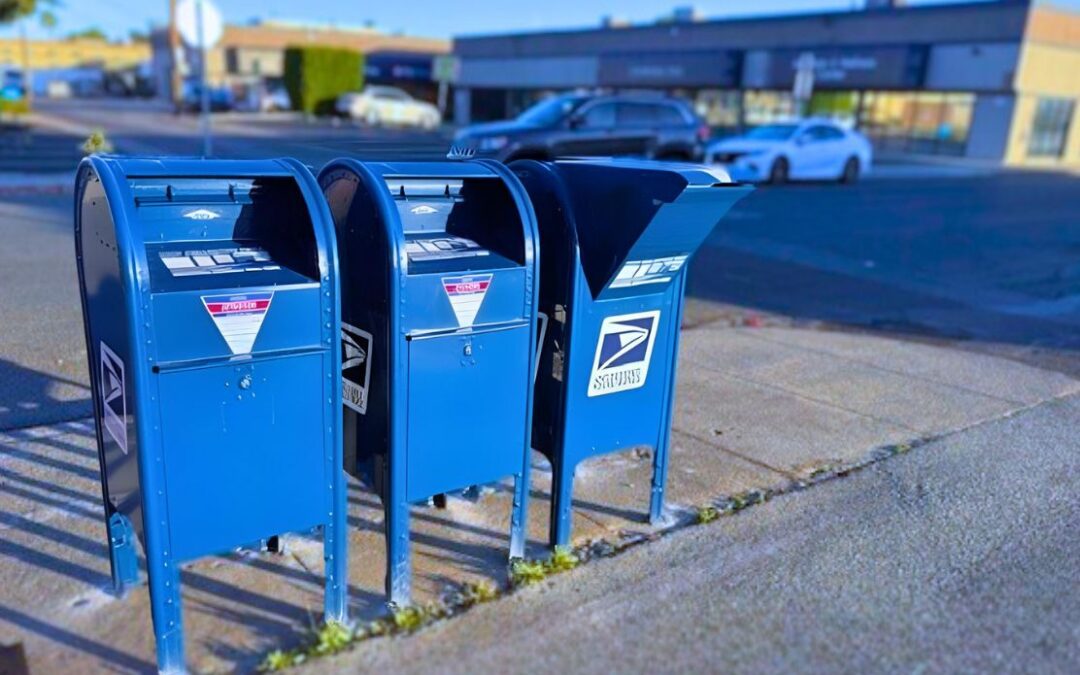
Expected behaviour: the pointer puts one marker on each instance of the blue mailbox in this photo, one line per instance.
(439, 329)
(210, 299)
(616, 237)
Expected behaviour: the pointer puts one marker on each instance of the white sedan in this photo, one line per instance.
(377, 106)
(806, 150)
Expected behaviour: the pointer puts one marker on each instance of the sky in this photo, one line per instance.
(432, 18)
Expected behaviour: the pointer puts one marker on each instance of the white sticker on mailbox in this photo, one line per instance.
(239, 317)
(355, 367)
(113, 397)
(623, 352)
(466, 294)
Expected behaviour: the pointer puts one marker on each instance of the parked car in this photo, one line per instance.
(811, 149)
(221, 98)
(377, 106)
(12, 87)
(592, 125)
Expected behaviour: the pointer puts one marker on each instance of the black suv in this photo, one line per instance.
(583, 125)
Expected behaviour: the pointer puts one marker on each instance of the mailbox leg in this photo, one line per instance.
(165, 611)
(335, 555)
(122, 558)
(659, 479)
(519, 517)
(562, 488)
(398, 575)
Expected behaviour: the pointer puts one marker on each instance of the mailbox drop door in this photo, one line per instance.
(460, 419)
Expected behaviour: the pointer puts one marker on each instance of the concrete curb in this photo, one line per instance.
(29, 185)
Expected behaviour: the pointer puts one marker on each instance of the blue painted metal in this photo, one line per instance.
(441, 399)
(616, 239)
(213, 430)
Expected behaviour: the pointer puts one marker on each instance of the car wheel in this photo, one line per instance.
(371, 118)
(780, 171)
(851, 171)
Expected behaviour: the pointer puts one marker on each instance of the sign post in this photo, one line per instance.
(803, 89)
(445, 71)
(200, 25)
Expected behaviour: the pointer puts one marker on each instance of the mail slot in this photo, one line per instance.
(616, 237)
(210, 302)
(439, 270)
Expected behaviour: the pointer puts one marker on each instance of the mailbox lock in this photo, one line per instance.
(245, 382)
(468, 350)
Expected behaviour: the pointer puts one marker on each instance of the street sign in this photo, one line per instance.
(446, 68)
(209, 27)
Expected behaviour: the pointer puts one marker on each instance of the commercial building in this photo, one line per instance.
(76, 66)
(995, 80)
(73, 53)
(249, 56)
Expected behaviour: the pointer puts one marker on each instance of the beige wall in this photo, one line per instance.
(70, 53)
(1049, 67)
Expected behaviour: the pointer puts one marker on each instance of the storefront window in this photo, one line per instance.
(765, 107)
(719, 108)
(1050, 127)
(838, 105)
(932, 123)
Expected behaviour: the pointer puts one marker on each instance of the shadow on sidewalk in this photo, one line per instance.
(32, 398)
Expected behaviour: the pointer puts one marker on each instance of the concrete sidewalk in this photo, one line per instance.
(761, 402)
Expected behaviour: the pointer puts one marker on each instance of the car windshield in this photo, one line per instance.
(548, 113)
(773, 132)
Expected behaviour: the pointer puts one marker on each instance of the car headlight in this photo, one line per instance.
(493, 143)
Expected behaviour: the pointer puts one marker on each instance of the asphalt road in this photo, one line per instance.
(959, 557)
(990, 260)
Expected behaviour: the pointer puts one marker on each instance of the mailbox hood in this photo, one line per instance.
(635, 222)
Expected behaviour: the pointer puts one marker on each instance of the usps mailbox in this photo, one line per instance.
(616, 237)
(438, 334)
(210, 299)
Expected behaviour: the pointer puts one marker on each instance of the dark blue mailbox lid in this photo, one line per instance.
(640, 214)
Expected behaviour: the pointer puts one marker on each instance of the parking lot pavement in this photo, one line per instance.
(758, 406)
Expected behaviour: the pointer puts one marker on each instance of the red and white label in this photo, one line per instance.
(238, 317)
(466, 294)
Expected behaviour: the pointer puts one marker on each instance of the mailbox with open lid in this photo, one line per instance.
(438, 334)
(616, 237)
(210, 300)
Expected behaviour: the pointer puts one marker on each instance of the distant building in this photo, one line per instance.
(995, 80)
(252, 55)
(73, 53)
(76, 66)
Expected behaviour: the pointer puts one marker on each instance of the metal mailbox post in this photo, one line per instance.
(616, 237)
(438, 334)
(210, 299)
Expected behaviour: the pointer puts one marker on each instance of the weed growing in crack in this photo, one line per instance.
(526, 572)
(707, 514)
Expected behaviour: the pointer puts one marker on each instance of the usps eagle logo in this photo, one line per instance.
(355, 367)
(113, 397)
(202, 214)
(623, 352)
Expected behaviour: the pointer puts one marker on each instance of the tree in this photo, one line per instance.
(91, 33)
(13, 10)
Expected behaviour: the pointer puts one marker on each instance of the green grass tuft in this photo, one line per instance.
(707, 514)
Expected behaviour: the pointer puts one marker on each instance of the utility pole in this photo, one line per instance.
(175, 89)
(28, 73)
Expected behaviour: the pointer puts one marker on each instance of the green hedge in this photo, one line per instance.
(316, 76)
